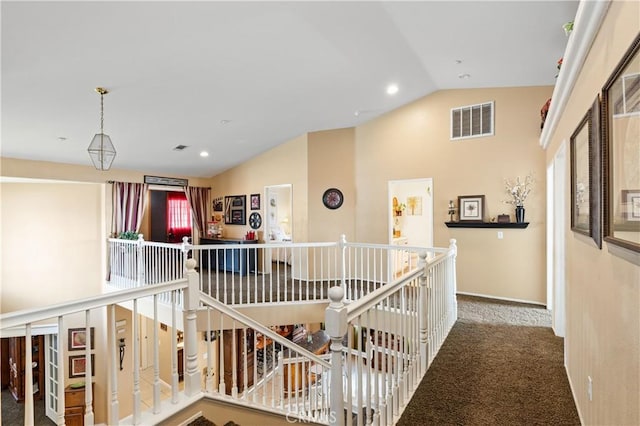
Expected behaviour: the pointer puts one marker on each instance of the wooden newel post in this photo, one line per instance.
(423, 312)
(336, 327)
(192, 375)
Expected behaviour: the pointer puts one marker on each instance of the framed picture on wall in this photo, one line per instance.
(621, 150)
(77, 365)
(471, 208)
(235, 210)
(77, 339)
(631, 204)
(255, 201)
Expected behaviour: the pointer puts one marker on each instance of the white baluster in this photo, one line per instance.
(423, 312)
(114, 411)
(209, 342)
(174, 350)
(156, 357)
(136, 365)
(28, 378)
(139, 261)
(88, 370)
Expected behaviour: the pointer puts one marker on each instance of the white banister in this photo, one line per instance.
(423, 312)
(174, 351)
(28, 378)
(136, 365)
(88, 371)
(114, 411)
(336, 326)
(192, 375)
(60, 376)
(156, 357)
(140, 260)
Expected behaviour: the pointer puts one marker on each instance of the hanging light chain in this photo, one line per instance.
(102, 92)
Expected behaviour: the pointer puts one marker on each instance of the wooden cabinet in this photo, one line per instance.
(238, 260)
(243, 350)
(17, 371)
(74, 400)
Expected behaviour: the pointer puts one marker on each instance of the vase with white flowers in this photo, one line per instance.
(518, 190)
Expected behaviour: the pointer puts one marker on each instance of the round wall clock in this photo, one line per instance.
(255, 220)
(332, 198)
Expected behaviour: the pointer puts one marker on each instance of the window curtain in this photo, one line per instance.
(178, 217)
(128, 202)
(199, 201)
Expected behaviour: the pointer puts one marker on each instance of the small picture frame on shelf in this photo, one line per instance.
(471, 208)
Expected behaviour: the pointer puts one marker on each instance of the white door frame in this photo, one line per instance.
(427, 205)
(556, 206)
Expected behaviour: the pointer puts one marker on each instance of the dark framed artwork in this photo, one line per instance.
(77, 339)
(235, 210)
(586, 175)
(255, 201)
(621, 151)
(77, 365)
(471, 208)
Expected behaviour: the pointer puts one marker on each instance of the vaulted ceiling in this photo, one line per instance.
(238, 78)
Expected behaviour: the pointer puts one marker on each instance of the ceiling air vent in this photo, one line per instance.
(472, 121)
(180, 147)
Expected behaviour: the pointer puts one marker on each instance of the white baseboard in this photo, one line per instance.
(508, 299)
(573, 394)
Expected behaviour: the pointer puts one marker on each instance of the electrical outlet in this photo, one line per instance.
(500, 235)
(590, 388)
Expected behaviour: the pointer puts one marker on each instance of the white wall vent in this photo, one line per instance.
(472, 121)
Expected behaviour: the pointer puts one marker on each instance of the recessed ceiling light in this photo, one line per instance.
(464, 76)
(62, 138)
(458, 61)
(225, 121)
(204, 154)
(392, 89)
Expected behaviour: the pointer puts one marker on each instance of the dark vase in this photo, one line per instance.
(519, 214)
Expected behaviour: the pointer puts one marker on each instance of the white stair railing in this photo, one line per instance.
(21, 323)
(242, 274)
(383, 333)
(392, 334)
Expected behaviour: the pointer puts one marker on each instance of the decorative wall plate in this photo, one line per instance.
(255, 220)
(332, 198)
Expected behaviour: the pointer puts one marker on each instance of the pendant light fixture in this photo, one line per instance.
(101, 149)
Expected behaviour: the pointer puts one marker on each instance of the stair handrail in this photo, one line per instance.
(266, 331)
(31, 315)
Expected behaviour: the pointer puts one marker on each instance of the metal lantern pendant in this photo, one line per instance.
(101, 149)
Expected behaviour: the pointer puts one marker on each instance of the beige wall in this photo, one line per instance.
(413, 142)
(52, 243)
(284, 164)
(603, 290)
(331, 165)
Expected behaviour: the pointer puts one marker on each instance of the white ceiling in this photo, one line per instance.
(176, 71)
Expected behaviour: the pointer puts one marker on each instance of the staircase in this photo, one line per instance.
(382, 328)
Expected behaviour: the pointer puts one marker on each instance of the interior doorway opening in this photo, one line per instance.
(411, 212)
